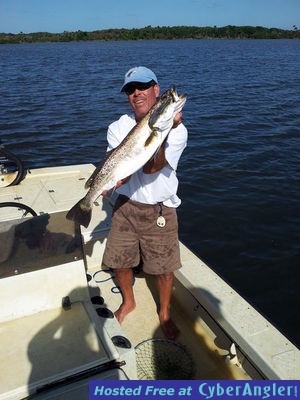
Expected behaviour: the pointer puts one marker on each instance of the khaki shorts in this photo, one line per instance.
(134, 236)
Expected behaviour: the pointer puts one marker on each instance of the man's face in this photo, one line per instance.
(142, 99)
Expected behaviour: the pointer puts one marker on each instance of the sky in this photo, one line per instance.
(57, 16)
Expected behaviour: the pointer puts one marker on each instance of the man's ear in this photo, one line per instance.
(156, 90)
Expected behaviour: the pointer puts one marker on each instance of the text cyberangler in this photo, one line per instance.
(208, 390)
(246, 390)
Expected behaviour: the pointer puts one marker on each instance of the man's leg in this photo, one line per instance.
(165, 287)
(124, 279)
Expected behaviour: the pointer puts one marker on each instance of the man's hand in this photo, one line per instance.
(177, 120)
(157, 162)
(118, 184)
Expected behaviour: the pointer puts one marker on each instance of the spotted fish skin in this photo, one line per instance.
(137, 148)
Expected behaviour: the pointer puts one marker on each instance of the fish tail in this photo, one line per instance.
(81, 213)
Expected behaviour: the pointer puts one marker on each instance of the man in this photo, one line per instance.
(144, 223)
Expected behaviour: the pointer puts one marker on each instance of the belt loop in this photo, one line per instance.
(160, 207)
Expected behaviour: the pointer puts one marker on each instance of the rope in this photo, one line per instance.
(115, 289)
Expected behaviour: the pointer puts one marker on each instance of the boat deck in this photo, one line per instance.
(43, 259)
(142, 325)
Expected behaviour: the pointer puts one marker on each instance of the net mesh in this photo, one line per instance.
(162, 359)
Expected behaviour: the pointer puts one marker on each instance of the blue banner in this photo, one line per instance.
(194, 390)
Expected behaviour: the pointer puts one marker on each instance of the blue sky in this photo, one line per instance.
(88, 15)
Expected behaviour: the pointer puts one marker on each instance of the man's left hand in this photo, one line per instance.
(177, 120)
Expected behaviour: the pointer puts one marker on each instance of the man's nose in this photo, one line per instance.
(137, 91)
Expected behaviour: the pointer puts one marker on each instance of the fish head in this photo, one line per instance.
(178, 100)
(169, 104)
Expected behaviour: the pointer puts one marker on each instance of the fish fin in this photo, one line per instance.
(80, 213)
(113, 190)
(92, 177)
(110, 191)
(151, 137)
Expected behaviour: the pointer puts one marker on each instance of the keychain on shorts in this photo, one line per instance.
(161, 222)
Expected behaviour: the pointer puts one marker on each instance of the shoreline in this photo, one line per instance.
(154, 33)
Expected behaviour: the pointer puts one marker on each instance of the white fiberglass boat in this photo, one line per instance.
(57, 327)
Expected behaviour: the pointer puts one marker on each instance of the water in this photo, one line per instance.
(240, 174)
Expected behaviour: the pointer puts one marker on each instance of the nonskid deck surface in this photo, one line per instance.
(142, 325)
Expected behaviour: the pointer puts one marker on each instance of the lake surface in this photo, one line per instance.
(239, 176)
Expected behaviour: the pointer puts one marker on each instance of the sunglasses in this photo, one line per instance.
(131, 87)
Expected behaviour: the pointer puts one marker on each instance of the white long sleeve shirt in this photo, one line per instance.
(160, 186)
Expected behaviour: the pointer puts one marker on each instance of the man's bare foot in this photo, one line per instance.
(123, 310)
(169, 329)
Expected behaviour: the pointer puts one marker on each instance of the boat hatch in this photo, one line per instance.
(39, 242)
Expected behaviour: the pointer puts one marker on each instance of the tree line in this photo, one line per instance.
(152, 33)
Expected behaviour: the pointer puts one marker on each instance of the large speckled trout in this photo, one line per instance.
(138, 147)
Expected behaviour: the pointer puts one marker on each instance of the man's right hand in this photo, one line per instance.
(118, 184)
